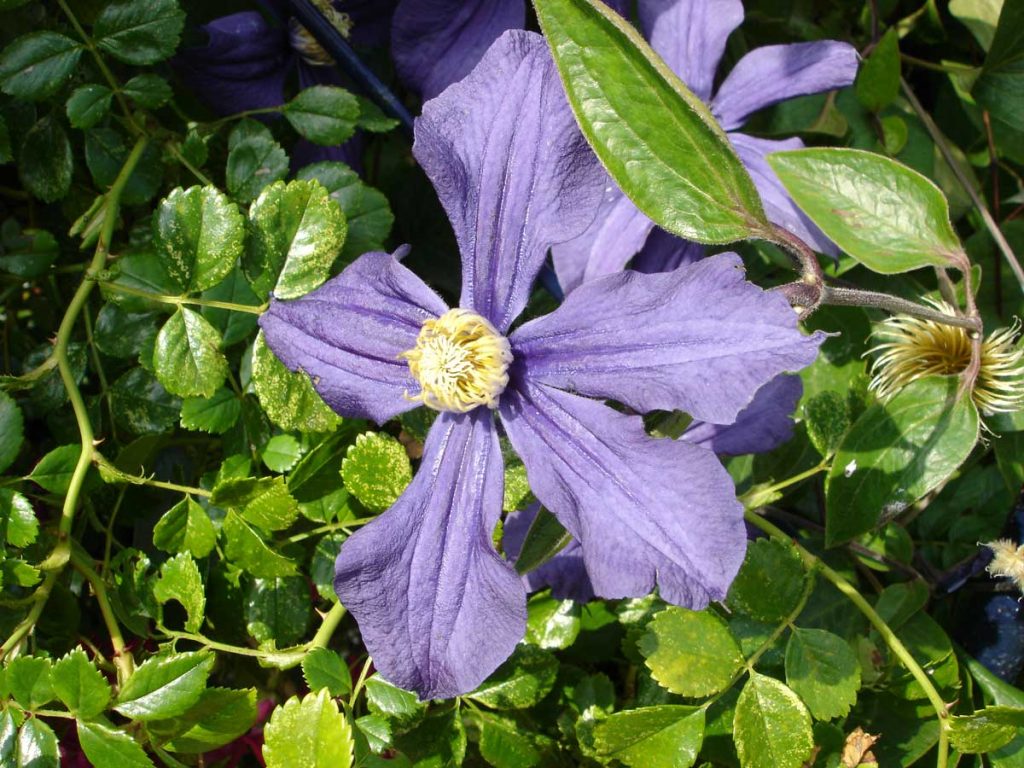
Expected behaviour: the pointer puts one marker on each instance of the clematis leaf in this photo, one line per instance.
(878, 82)
(658, 141)
(886, 216)
(1001, 85)
(772, 727)
(667, 736)
(895, 453)
(187, 357)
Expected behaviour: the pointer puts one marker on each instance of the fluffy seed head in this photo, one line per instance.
(306, 45)
(1007, 561)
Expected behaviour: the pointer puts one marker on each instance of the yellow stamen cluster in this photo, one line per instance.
(912, 348)
(460, 361)
(307, 46)
(1007, 561)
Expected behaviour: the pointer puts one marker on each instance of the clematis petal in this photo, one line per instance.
(512, 170)
(778, 205)
(437, 607)
(664, 252)
(690, 36)
(437, 42)
(348, 333)
(700, 339)
(645, 511)
(618, 231)
(774, 73)
(243, 65)
(565, 573)
(763, 425)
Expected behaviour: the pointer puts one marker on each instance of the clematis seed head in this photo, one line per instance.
(302, 40)
(460, 361)
(1007, 561)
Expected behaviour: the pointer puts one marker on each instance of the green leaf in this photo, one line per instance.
(998, 692)
(888, 217)
(652, 737)
(148, 90)
(288, 398)
(545, 538)
(986, 730)
(36, 65)
(246, 549)
(142, 405)
(80, 686)
(12, 431)
(402, 707)
(979, 16)
(324, 114)
(691, 653)
(823, 671)
(18, 524)
(772, 728)
(827, 417)
(139, 31)
(123, 334)
(550, 623)
(216, 414)
(200, 234)
(281, 453)
(88, 105)
(504, 744)
(278, 609)
(255, 160)
(8, 737)
(372, 117)
(264, 501)
(323, 668)
(187, 357)
(106, 150)
(37, 746)
(54, 470)
(219, 717)
(107, 746)
(46, 162)
(656, 139)
(234, 326)
(30, 253)
(30, 681)
(1000, 88)
(185, 527)
(895, 453)
(297, 232)
(321, 566)
(878, 81)
(311, 733)
(770, 582)
(438, 740)
(376, 470)
(180, 580)
(165, 686)
(522, 681)
(145, 272)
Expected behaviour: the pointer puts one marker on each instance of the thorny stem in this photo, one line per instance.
(123, 659)
(179, 301)
(114, 475)
(330, 623)
(812, 562)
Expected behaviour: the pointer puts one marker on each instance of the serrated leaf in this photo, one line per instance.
(165, 686)
(112, 748)
(46, 162)
(139, 31)
(200, 233)
(878, 81)
(12, 430)
(263, 501)
(80, 686)
(986, 730)
(8, 737)
(148, 90)
(895, 453)
(323, 668)
(216, 414)
(246, 549)
(37, 64)
(187, 357)
(376, 470)
(656, 139)
(185, 527)
(324, 114)
(54, 470)
(769, 583)
(123, 334)
(297, 231)
(823, 671)
(255, 160)
(30, 681)
(278, 609)
(522, 681)
(18, 524)
(281, 453)
(88, 105)
(691, 653)
(828, 420)
(377, 731)
(504, 744)
(550, 623)
(142, 405)
(36, 746)
(438, 740)
(772, 728)
(888, 217)
(401, 706)
(311, 733)
(219, 717)
(180, 580)
(652, 737)
(106, 150)
(288, 398)
(31, 253)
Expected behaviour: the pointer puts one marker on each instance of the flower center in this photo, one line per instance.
(306, 45)
(460, 361)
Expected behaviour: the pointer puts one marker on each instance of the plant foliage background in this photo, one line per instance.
(173, 498)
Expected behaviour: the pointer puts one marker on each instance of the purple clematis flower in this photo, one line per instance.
(690, 35)
(439, 609)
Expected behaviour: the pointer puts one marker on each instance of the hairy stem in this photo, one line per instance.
(852, 297)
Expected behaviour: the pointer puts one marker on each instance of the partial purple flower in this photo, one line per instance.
(690, 35)
(437, 606)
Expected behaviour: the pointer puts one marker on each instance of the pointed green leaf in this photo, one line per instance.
(772, 728)
(281, 453)
(187, 357)
(504, 743)
(165, 686)
(148, 90)
(180, 580)
(255, 160)
(323, 668)
(112, 748)
(46, 161)
(691, 653)
(1000, 89)
(657, 140)
(36, 65)
(36, 746)
(185, 527)
(652, 737)
(522, 681)
(263, 501)
(878, 82)
(401, 706)
(216, 414)
(987, 729)
(288, 398)
(886, 216)
(823, 671)
(18, 523)
(88, 105)
(12, 432)
(54, 470)
(311, 733)
(246, 549)
(219, 717)
(30, 681)
(324, 114)
(278, 609)
(80, 686)
(8, 737)
(139, 31)
(376, 470)
(770, 582)
(545, 538)
(142, 405)
(550, 623)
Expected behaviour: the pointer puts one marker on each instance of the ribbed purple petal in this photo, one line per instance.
(645, 511)
(512, 170)
(243, 66)
(437, 42)
(437, 607)
(618, 231)
(690, 36)
(763, 425)
(774, 73)
(565, 573)
(664, 252)
(348, 333)
(700, 339)
(778, 205)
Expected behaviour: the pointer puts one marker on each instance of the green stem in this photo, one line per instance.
(752, 496)
(39, 598)
(114, 475)
(179, 301)
(123, 659)
(811, 561)
(360, 682)
(329, 625)
(173, 148)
